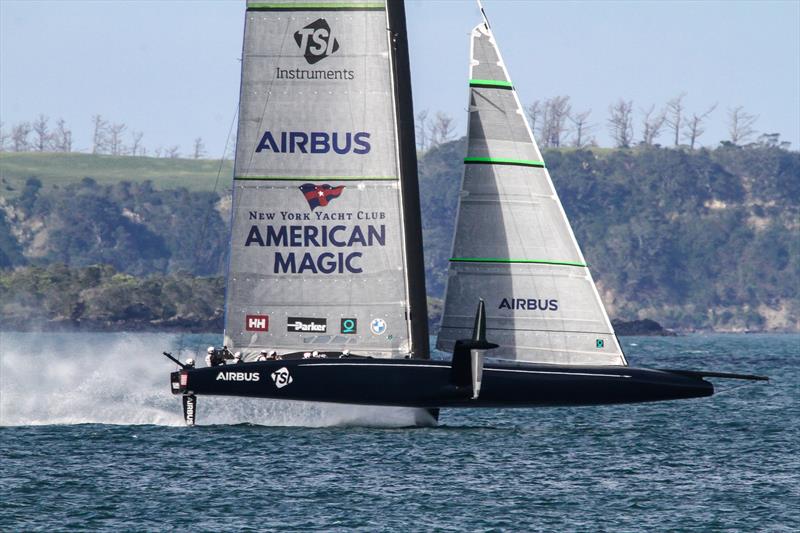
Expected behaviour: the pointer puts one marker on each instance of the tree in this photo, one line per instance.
(62, 137)
(534, 112)
(115, 132)
(3, 137)
(172, 152)
(441, 129)
(100, 135)
(19, 137)
(674, 115)
(581, 129)
(652, 124)
(421, 129)
(40, 128)
(554, 121)
(740, 125)
(136, 145)
(620, 123)
(694, 128)
(199, 149)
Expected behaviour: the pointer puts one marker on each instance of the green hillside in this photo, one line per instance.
(66, 168)
(703, 239)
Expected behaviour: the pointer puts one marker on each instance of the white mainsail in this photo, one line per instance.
(319, 238)
(513, 245)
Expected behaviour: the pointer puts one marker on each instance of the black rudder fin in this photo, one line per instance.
(467, 365)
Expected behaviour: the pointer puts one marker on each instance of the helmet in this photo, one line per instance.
(237, 355)
(210, 349)
(263, 352)
(190, 362)
(272, 352)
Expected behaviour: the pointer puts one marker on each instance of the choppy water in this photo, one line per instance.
(91, 438)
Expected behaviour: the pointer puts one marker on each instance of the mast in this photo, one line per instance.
(409, 178)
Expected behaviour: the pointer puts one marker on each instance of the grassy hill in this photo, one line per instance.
(60, 169)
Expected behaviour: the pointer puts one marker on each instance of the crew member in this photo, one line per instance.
(215, 357)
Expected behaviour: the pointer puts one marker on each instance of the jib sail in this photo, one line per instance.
(325, 249)
(514, 246)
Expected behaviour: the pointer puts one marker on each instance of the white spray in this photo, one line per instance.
(122, 378)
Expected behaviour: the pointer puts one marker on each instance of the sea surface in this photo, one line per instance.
(92, 439)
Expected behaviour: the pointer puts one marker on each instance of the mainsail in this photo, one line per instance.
(325, 249)
(514, 246)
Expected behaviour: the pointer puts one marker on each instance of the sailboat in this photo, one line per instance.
(325, 296)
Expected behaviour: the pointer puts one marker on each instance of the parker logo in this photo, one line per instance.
(315, 41)
(281, 377)
(320, 195)
(256, 323)
(238, 376)
(304, 325)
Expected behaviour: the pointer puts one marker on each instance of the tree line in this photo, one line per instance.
(108, 137)
(556, 124)
(553, 120)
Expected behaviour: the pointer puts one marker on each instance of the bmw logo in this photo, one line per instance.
(377, 326)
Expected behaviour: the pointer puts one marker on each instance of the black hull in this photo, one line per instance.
(428, 384)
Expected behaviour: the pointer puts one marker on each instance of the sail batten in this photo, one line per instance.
(513, 245)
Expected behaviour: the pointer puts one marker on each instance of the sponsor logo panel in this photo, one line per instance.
(347, 238)
(349, 326)
(320, 195)
(306, 325)
(238, 376)
(256, 323)
(281, 377)
(315, 142)
(316, 41)
(528, 304)
(377, 326)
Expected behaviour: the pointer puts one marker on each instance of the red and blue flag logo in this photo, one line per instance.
(320, 195)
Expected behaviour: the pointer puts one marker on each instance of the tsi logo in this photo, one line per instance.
(281, 377)
(302, 324)
(315, 41)
(256, 323)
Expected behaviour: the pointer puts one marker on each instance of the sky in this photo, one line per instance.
(171, 69)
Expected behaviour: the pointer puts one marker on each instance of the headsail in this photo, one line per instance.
(325, 240)
(513, 245)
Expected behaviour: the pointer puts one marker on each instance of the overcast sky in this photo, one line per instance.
(171, 69)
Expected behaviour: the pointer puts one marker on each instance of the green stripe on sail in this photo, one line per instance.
(506, 261)
(491, 83)
(504, 161)
(316, 6)
(315, 178)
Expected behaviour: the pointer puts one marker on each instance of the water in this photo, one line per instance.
(91, 438)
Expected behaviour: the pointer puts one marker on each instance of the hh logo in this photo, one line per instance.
(281, 377)
(257, 323)
(315, 41)
(320, 195)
